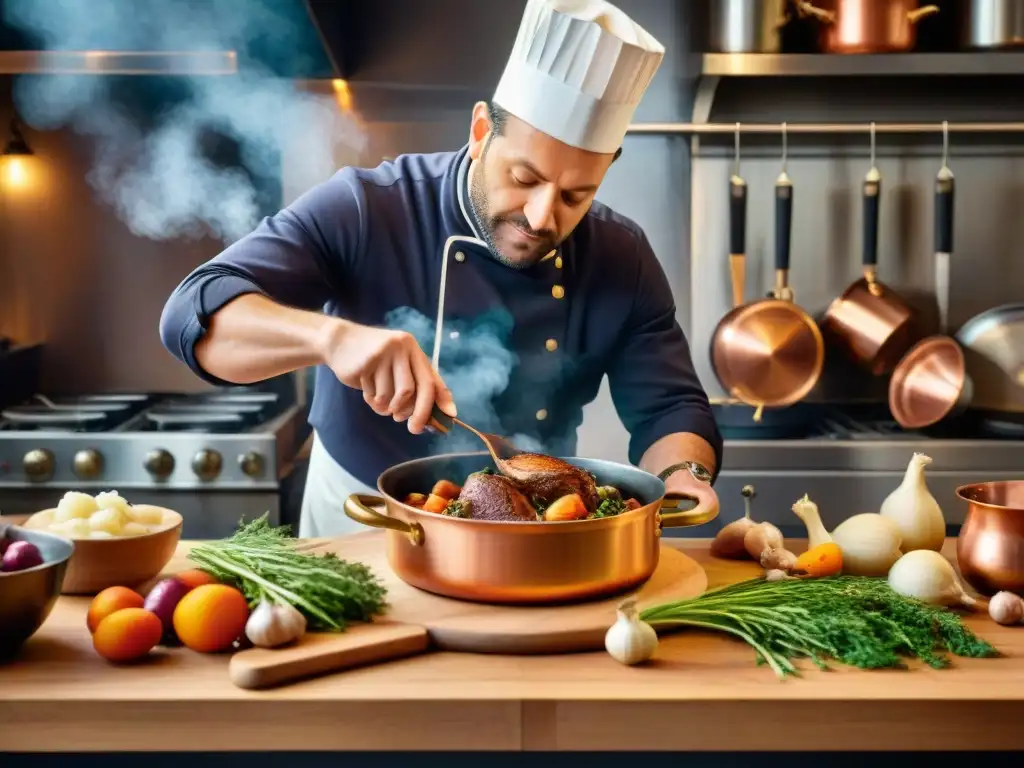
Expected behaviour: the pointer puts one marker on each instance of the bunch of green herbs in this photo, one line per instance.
(262, 561)
(854, 620)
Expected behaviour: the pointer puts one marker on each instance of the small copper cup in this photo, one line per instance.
(990, 548)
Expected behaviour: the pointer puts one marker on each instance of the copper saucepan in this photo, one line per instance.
(770, 353)
(869, 321)
(523, 562)
(867, 26)
(990, 547)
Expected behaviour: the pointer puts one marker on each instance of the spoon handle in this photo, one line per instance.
(440, 421)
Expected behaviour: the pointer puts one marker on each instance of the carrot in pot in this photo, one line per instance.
(446, 489)
(823, 560)
(415, 499)
(568, 507)
(435, 503)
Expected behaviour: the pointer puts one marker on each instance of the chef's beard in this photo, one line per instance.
(487, 224)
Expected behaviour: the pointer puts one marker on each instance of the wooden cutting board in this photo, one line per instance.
(418, 619)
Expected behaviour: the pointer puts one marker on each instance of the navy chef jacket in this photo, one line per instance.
(368, 242)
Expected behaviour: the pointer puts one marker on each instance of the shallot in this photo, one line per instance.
(729, 541)
(927, 576)
(914, 510)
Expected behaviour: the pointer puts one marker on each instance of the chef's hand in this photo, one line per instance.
(684, 484)
(390, 368)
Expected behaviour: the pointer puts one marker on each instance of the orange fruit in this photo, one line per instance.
(195, 578)
(211, 617)
(110, 600)
(127, 634)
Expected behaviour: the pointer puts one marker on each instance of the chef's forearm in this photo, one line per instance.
(253, 338)
(677, 447)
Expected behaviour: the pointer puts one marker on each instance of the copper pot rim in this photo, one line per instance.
(914, 356)
(736, 390)
(963, 491)
(524, 526)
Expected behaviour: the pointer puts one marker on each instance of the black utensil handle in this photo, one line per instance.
(872, 198)
(783, 222)
(944, 191)
(737, 216)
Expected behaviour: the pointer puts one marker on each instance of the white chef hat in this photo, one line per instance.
(577, 72)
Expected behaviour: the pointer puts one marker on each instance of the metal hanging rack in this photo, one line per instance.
(822, 128)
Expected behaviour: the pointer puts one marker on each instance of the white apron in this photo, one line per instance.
(323, 502)
(328, 484)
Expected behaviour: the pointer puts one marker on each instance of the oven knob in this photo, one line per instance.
(159, 463)
(251, 463)
(206, 464)
(88, 463)
(38, 465)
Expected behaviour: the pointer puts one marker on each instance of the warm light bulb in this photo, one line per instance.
(15, 174)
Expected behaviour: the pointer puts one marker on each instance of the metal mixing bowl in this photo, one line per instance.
(27, 597)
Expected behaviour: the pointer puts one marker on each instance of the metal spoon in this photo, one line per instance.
(442, 422)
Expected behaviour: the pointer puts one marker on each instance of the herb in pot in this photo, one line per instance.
(261, 561)
(858, 621)
(457, 508)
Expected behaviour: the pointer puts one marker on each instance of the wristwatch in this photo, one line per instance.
(697, 470)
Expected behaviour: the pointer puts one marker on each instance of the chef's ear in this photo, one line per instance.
(479, 128)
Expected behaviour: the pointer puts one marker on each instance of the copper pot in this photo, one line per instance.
(930, 384)
(990, 548)
(867, 26)
(523, 562)
(872, 324)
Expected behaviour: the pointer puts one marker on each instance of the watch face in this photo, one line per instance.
(699, 472)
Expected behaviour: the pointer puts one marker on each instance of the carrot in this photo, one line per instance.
(568, 507)
(823, 560)
(415, 499)
(435, 503)
(446, 489)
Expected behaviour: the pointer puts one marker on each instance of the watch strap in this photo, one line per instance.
(697, 470)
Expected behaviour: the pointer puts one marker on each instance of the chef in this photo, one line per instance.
(500, 240)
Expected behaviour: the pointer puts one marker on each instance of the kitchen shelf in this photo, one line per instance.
(862, 65)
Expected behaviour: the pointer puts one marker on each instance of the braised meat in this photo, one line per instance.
(494, 497)
(545, 479)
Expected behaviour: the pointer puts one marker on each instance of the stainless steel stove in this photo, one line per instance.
(214, 457)
(852, 457)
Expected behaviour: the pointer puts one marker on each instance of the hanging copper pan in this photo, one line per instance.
(770, 353)
(872, 324)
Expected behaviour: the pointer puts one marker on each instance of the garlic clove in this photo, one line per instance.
(272, 625)
(1006, 608)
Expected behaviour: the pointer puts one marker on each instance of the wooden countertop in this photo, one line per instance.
(702, 692)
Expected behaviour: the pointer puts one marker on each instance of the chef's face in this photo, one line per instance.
(529, 191)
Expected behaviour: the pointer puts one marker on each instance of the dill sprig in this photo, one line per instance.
(853, 620)
(261, 561)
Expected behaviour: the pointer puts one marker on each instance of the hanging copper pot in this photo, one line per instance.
(867, 26)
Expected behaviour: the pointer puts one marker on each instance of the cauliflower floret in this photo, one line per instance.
(74, 504)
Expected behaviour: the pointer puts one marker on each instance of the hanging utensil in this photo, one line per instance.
(871, 323)
(993, 342)
(931, 384)
(944, 189)
(770, 353)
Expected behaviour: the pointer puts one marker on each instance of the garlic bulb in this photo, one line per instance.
(274, 624)
(915, 511)
(927, 576)
(870, 544)
(778, 560)
(630, 640)
(1006, 608)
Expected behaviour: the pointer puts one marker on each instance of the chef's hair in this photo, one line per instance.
(498, 116)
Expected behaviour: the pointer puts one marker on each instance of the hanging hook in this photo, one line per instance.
(736, 152)
(785, 148)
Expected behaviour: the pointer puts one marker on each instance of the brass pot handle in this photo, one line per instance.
(705, 511)
(357, 507)
(924, 11)
(805, 9)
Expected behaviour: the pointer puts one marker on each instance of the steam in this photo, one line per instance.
(476, 366)
(159, 177)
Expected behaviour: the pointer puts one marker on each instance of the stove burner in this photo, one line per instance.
(194, 421)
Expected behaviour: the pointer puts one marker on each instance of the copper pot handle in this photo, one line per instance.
(807, 9)
(924, 11)
(705, 511)
(357, 507)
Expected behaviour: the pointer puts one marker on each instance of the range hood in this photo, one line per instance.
(323, 35)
